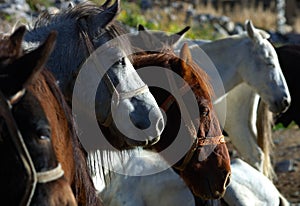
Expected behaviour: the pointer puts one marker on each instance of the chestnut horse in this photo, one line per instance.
(30, 173)
(205, 167)
(44, 96)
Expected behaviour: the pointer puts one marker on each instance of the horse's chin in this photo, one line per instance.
(206, 193)
(145, 144)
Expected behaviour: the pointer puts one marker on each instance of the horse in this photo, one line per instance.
(196, 172)
(31, 173)
(258, 71)
(131, 119)
(162, 188)
(67, 146)
(204, 162)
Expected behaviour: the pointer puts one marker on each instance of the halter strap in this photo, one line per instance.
(50, 175)
(107, 80)
(33, 176)
(199, 142)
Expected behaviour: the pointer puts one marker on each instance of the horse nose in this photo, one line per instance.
(151, 122)
(285, 103)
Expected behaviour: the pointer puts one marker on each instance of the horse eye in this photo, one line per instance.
(204, 112)
(44, 137)
(44, 134)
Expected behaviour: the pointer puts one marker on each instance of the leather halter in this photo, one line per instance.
(34, 177)
(111, 87)
(198, 141)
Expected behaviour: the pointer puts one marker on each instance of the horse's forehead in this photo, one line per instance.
(266, 50)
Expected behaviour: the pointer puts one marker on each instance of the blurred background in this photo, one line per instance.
(209, 19)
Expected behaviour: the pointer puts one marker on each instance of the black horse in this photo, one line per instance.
(289, 59)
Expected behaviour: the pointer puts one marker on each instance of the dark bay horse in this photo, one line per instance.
(205, 167)
(30, 173)
(289, 60)
(41, 84)
(81, 30)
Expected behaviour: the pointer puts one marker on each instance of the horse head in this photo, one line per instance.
(207, 172)
(31, 166)
(205, 164)
(272, 86)
(93, 32)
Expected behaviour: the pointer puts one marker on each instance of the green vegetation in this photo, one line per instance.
(280, 126)
(159, 19)
(36, 4)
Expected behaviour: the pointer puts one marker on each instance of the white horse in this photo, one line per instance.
(249, 68)
(249, 187)
(139, 184)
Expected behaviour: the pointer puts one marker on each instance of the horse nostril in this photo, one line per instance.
(285, 102)
(160, 125)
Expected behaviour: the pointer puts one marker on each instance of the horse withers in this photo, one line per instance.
(30, 172)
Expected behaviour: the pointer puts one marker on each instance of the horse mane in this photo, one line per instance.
(191, 72)
(79, 153)
(46, 22)
(80, 11)
(264, 124)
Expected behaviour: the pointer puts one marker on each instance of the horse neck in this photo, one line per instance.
(64, 61)
(227, 55)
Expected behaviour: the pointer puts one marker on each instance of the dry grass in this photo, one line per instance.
(260, 18)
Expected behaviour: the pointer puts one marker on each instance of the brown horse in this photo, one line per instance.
(45, 97)
(206, 165)
(30, 172)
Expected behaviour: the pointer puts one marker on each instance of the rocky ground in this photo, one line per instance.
(287, 154)
(286, 161)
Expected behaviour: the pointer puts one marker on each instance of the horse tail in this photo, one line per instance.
(264, 125)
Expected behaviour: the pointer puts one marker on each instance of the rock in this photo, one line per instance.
(285, 166)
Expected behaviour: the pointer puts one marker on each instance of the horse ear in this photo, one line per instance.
(185, 53)
(249, 28)
(141, 28)
(175, 38)
(16, 39)
(253, 33)
(71, 5)
(21, 72)
(105, 17)
(106, 3)
(148, 41)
